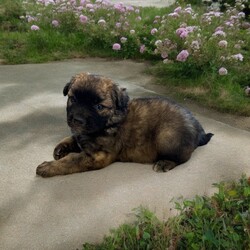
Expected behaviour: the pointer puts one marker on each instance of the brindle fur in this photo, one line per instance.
(107, 127)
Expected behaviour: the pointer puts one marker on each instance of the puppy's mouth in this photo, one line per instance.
(76, 121)
(82, 126)
(76, 124)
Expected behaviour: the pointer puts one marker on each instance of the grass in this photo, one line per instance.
(196, 77)
(224, 95)
(218, 222)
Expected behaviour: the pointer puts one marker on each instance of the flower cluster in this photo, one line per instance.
(182, 35)
(182, 56)
(210, 41)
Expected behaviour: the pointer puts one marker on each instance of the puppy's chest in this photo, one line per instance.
(108, 142)
(94, 144)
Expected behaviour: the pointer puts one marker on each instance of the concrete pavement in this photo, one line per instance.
(144, 3)
(65, 211)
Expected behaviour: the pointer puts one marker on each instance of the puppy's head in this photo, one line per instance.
(95, 104)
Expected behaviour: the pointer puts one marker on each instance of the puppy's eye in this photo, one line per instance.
(72, 99)
(99, 107)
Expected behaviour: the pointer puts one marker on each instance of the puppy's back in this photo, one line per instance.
(152, 115)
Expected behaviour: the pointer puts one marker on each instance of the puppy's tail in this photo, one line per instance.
(204, 138)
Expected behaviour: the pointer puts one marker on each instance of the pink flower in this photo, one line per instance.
(230, 24)
(174, 15)
(55, 23)
(222, 43)
(223, 58)
(195, 45)
(34, 27)
(241, 15)
(123, 39)
(237, 46)
(184, 34)
(182, 56)
(116, 46)
(238, 57)
(31, 19)
(158, 43)
(164, 55)
(142, 48)
(130, 8)
(222, 71)
(167, 61)
(80, 8)
(179, 31)
(118, 25)
(188, 10)
(218, 14)
(82, 2)
(119, 7)
(191, 28)
(83, 19)
(177, 10)
(219, 33)
(48, 2)
(102, 22)
(219, 28)
(89, 5)
(154, 31)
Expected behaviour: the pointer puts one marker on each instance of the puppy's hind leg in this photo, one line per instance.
(170, 161)
(164, 165)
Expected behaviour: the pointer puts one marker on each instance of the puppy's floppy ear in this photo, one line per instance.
(66, 88)
(121, 98)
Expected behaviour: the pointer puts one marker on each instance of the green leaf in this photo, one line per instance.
(189, 235)
(146, 236)
(246, 191)
(232, 193)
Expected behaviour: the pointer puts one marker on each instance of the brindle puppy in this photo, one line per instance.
(107, 127)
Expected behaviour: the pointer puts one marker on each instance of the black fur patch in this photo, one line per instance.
(88, 96)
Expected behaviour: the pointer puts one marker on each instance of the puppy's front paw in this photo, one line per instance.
(46, 169)
(61, 150)
(163, 166)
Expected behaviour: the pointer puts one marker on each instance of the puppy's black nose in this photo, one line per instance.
(78, 120)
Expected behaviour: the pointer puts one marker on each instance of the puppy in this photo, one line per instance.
(107, 127)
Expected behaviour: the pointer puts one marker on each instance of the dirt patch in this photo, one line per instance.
(195, 90)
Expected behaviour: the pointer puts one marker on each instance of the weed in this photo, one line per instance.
(218, 222)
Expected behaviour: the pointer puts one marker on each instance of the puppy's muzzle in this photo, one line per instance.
(76, 120)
